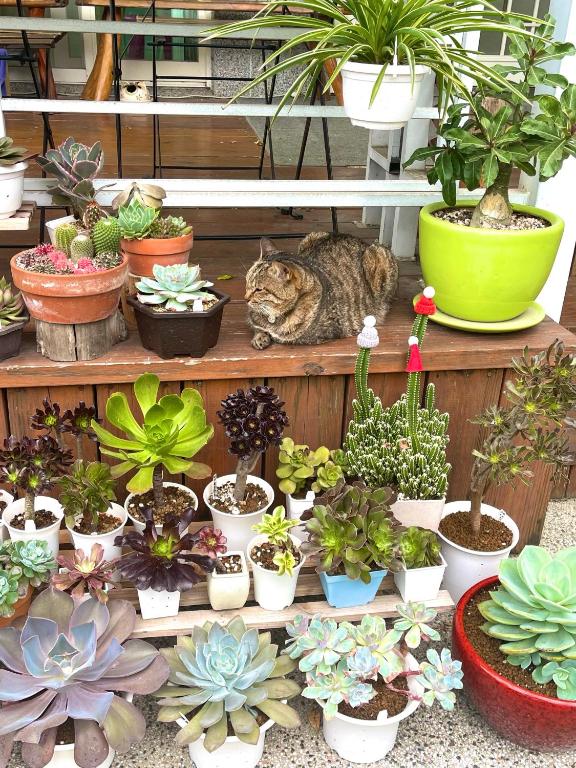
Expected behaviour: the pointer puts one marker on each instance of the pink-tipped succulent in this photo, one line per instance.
(211, 542)
(84, 573)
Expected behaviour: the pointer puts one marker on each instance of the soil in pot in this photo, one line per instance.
(3, 505)
(263, 555)
(463, 217)
(493, 535)
(229, 564)
(176, 502)
(65, 734)
(106, 524)
(206, 305)
(391, 701)
(42, 517)
(489, 649)
(254, 500)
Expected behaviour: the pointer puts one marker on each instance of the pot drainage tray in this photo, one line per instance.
(533, 315)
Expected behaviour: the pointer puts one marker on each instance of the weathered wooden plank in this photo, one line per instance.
(80, 342)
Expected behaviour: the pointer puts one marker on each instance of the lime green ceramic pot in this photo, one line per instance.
(486, 275)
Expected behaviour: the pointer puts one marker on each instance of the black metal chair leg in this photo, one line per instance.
(329, 167)
(304, 144)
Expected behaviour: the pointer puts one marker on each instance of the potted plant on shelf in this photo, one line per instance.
(87, 496)
(83, 576)
(383, 49)
(13, 318)
(366, 679)
(24, 565)
(276, 560)
(353, 533)
(515, 636)
(227, 687)
(482, 143)
(64, 706)
(175, 314)
(253, 420)
(229, 582)
(404, 445)
(476, 537)
(161, 565)
(12, 170)
(421, 565)
(172, 431)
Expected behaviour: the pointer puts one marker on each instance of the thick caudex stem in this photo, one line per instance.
(494, 209)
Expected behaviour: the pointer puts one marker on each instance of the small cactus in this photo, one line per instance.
(64, 235)
(107, 260)
(92, 214)
(106, 235)
(81, 248)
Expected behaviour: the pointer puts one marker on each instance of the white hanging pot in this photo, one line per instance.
(11, 188)
(272, 591)
(158, 605)
(49, 534)
(232, 754)
(295, 508)
(467, 567)
(419, 584)
(7, 498)
(237, 528)
(395, 102)
(139, 525)
(54, 223)
(367, 741)
(106, 540)
(229, 591)
(425, 513)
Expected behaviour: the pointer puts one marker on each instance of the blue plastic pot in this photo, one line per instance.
(344, 592)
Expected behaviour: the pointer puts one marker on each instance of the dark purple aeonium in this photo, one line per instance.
(164, 561)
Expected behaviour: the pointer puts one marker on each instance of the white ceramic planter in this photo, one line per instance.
(232, 754)
(418, 584)
(237, 528)
(295, 508)
(366, 741)
(8, 499)
(229, 591)
(272, 591)
(425, 513)
(138, 524)
(51, 226)
(50, 534)
(11, 188)
(158, 605)
(465, 566)
(85, 542)
(396, 100)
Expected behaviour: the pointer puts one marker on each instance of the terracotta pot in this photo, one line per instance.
(20, 609)
(70, 299)
(144, 254)
(526, 718)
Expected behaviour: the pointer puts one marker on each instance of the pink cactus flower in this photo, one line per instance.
(44, 249)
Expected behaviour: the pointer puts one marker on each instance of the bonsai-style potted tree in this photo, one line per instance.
(422, 566)
(366, 679)
(13, 318)
(177, 312)
(515, 636)
(383, 49)
(353, 533)
(171, 432)
(12, 170)
(476, 536)
(276, 560)
(226, 706)
(66, 667)
(83, 576)
(161, 565)
(24, 565)
(404, 445)
(253, 419)
(229, 582)
(488, 261)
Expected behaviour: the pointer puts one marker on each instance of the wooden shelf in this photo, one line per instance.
(21, 219)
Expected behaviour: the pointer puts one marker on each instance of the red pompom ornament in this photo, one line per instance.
(425, 304)
(414, 364)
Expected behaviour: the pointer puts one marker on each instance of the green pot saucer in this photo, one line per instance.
(533, 315)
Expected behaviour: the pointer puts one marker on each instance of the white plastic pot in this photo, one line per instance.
(158, 605)
(467, 567)
(272, 591)
(11, 188)
(50, 534)
(7, 498)
(419, 584)
(85, 542)
(64, 757)
(232, 754)
(237, 528)
(425, 513)
(229, 591)
(395, 102)
(295, 508)
(366, 741)
(54, 223)
(138, 524)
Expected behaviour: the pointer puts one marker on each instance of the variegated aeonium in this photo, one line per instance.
(69, 662)
(534, 613)
(225, 676)
(342, 661)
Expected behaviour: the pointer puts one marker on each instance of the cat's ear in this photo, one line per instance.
(267, 248)
(280, 271)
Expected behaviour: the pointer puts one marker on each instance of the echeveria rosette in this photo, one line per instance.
(562, 674)
(382, 642)
(414, 621)
(440, 675)
(318, 643)
(175, 287)
(70, 661)
(338, 686)
(31, 561)
(9, 595)
(85, 573)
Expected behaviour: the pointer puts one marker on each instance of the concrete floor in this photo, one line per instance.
(431, 738)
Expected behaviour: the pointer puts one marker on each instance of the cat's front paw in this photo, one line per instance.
(261, 340)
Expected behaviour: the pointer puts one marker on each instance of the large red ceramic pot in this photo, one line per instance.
(529, 719)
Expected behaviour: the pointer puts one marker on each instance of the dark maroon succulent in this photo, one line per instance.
(48, 418)
(79, 420)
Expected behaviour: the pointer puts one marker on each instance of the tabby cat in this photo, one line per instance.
(322, 292)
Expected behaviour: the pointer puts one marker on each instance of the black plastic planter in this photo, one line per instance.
(176, 334)
(11, 339)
